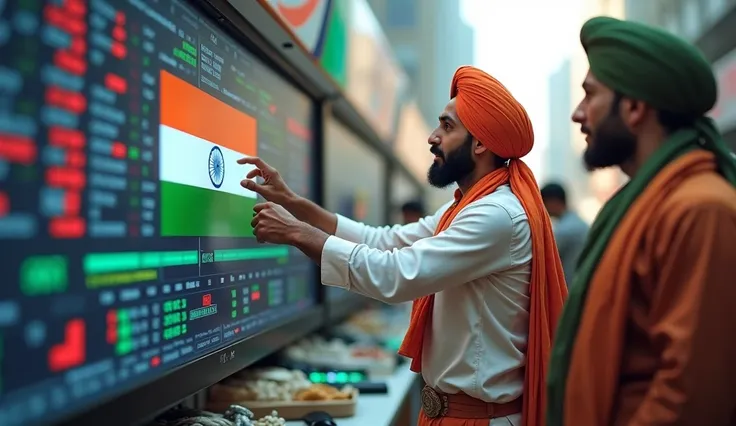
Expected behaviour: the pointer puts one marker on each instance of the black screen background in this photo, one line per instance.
(40, 310)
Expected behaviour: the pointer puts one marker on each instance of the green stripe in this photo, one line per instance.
(233, 255)
(334, 49)
(98, 263)
(188, 211)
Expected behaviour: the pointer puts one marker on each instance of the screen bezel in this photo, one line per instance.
(140, 403)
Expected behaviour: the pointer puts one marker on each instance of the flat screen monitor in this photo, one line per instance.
(355, 182)
(126, 238)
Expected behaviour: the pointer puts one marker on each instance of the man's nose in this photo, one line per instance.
(433, 139)
(578, 115)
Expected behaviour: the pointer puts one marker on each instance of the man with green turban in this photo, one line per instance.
(647, 334)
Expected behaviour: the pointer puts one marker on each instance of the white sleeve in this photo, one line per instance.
(477, 244)
(388, 237)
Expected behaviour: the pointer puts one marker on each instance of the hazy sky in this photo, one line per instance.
(521, 42)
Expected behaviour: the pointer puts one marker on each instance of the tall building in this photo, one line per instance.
(711, 25)
(597, 187)
(562, 157)
(430, 39)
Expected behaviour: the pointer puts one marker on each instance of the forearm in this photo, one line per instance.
(311, 213)
(310, 241)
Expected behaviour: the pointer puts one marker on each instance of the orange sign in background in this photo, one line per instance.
(305, 18)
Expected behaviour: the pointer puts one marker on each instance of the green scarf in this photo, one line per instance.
(704, 135)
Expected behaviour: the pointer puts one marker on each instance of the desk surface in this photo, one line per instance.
(377, 409)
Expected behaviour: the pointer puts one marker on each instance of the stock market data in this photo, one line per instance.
(126, 238)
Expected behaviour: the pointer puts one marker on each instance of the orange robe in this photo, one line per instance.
(657, 333)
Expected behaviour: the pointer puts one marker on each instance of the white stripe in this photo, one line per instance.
(184, 159)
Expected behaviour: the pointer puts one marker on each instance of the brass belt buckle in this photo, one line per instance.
(433, 404)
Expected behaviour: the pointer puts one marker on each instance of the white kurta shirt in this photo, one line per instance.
(479, 268)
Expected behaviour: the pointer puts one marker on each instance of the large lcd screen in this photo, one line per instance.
(126, 238)
(355, 178)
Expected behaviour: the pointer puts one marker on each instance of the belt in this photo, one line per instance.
(462, 406)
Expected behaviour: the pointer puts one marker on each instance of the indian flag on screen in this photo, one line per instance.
(200, 140)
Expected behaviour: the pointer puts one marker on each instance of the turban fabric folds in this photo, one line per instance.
(491, 114)
(649, 64)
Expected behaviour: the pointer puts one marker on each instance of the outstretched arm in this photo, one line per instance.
(476, 245)
(274, 189)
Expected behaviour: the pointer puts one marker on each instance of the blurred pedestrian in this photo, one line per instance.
(570, 229)
(412, 211)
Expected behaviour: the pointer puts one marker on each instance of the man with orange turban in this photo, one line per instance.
(483, 272)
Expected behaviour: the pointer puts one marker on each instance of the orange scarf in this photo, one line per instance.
(495, 118)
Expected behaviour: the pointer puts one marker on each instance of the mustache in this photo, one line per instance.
(585, 130)
(436, 151)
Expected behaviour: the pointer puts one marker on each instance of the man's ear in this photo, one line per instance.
(478, 147)
(634, 112)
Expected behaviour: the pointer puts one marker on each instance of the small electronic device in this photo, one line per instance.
(337, 377)
(319, 418)
(375, 388)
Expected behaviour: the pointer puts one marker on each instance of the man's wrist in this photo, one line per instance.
(293, 204)
(309, 240)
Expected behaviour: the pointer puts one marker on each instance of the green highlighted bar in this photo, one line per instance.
(41, 275)
(202, 312)
(232, 255)
(121, 278)
(100, 263)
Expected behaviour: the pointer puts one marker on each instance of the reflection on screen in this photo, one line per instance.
(126, 238)
(355, 184)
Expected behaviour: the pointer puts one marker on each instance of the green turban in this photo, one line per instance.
(649, 64)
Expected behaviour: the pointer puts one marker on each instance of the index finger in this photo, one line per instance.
(256, 161)
(260, 206)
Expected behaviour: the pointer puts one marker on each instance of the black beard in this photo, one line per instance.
(612, 144)
(455, 166)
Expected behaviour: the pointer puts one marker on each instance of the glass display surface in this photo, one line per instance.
(126, 238)
(355, 179)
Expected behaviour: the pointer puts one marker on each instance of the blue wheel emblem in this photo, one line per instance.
(216, 167)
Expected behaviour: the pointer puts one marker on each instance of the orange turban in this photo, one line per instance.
(491, 114)
(498, 121)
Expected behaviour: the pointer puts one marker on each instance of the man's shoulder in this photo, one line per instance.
(504, 199)
(696, 204)
(501, 200)
(700, 193)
